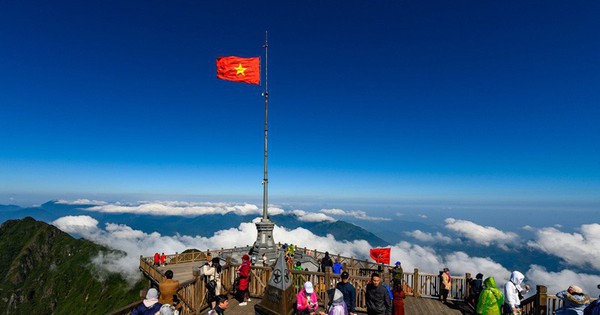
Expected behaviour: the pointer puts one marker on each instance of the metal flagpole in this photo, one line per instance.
(266, 95)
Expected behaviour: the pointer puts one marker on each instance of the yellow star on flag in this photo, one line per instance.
(240, 70)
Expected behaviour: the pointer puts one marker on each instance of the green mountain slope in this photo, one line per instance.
(46, 271)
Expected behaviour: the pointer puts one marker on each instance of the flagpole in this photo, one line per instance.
(266, 96)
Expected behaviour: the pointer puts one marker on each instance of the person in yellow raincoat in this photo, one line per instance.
(491, 299)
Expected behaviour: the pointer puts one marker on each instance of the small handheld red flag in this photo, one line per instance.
(380, 255)
(239, 69)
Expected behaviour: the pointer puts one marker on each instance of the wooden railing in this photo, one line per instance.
(541, 303)
(322, 281)
(192, 292)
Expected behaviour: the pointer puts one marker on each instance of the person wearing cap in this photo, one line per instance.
(244, 275)
(377, 297)
(397, 273)
(306, 300)
(150, 305)
(574, 301)
(348, 291)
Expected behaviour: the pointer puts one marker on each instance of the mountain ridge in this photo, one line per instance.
(46, 271)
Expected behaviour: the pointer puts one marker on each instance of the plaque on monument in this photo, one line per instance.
(279, 297)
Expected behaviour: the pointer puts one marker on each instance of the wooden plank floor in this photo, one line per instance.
(412, 306)
(181, 272)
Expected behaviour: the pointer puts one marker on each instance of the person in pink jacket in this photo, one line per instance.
(306, 301)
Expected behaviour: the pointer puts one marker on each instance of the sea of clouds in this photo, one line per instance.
(580, 249)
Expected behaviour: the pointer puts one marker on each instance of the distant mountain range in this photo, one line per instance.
(204, 225)
(378, 234)
(46, 271)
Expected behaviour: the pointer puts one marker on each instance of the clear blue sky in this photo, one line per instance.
(486, 101)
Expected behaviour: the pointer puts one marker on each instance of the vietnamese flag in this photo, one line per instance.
(381, 255)
(239, 69)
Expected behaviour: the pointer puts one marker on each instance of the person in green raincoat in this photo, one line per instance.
(491, 299)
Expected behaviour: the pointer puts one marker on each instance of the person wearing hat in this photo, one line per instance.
(306, 300)
(574, 301)
(337, 306)
(150, 305)
(348, 291)
(244, 275)
(397, 274)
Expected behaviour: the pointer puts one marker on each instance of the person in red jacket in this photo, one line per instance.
(244, 276)
(163, 259)
(398, 302)
(156, 259)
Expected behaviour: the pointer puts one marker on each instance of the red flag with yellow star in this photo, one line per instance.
(239, 69)
(380, 255)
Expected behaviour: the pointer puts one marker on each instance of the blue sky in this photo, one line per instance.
(435, 102)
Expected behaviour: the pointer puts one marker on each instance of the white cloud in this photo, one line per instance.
(181, 208)
(136, 243)
(82, 202)
(429, 237)
(528, 228)
(311, 216)
(483, 235)
(558, 281)
(357, 214)
(422, 216)
(579, 249)
(81, 224)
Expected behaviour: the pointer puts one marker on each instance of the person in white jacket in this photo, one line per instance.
(513, 293)
(213, 272)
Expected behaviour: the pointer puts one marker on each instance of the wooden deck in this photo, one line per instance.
(182, 271)
(412, 305)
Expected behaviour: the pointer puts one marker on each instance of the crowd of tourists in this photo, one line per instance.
(380, 299)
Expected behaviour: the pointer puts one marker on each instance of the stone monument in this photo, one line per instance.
(279, 297)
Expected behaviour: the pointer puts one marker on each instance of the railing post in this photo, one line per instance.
(467, 286)
(197, 291)
(541, 300)
(327, 279)
(416, 287)
(176, 257)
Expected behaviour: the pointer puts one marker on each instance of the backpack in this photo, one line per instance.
(389, 291)
(211, 285)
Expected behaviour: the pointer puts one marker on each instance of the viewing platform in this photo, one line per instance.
(422, 289)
